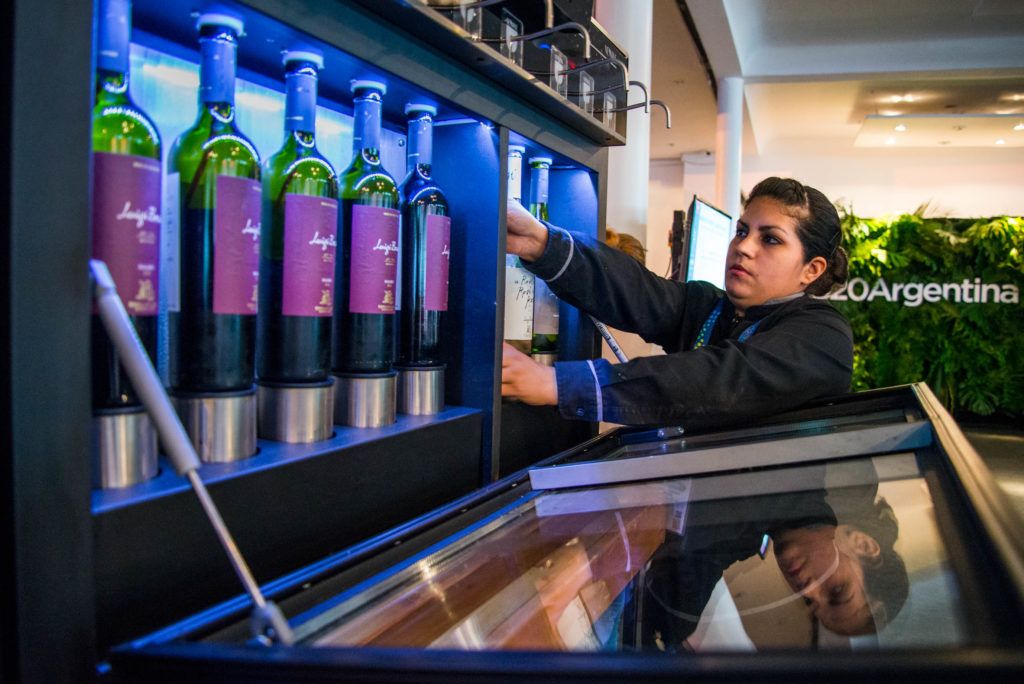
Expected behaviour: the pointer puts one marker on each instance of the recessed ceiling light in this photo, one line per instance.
(901, 128)
(1000, 142)
(896, 98)
(890, 140)
(1019, 127)
(908, 98)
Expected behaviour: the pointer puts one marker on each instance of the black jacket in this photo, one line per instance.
(802, 349)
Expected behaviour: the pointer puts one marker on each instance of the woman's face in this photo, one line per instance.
(766, 259)
(824, 565)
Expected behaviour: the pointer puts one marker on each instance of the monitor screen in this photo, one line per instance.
(710, 230)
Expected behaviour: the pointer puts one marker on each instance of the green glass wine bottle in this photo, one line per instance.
(216, 172)
(545, 303)
(364, 305)
(426, 247)
(126, 204)
(518, 281)
(298, 240)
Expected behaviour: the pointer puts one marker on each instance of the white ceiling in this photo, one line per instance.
(830, 71)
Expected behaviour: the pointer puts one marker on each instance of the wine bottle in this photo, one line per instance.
(518, 281)
(364, 282)
(426, 246)
(215, 172)
(545, 303)
(297, 240)
(126, 204)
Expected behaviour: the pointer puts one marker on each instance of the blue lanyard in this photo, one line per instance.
(705, 330)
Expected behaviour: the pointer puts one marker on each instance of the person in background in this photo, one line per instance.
(759, 347)
(625, 243)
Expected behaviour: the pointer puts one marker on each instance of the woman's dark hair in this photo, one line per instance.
(817, 226)
(885, 577)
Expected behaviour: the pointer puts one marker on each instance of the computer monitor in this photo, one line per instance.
(708, 232)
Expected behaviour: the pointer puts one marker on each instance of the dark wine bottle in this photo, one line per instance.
(215, 171)
(298, 240)
(545, 303)
(364, 305)
(426, 247)
(518, 281)
(126, 203)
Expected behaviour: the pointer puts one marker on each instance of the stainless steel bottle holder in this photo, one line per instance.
(420, 390)
(545, 358)
(124, 448)
(295, 413)
(365, 400)
(222, 426)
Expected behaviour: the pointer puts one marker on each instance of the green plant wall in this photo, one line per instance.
(971, 354)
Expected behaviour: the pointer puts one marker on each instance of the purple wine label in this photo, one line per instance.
(439, 233)
(310, 247)
(236, 246)
(374, 260)
(126, 226)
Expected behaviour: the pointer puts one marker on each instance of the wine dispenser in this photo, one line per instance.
(365, 400)
(222, 426)
(298, 413)
(124, 448)
(421, 390)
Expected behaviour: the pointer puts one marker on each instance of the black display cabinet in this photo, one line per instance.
(92, 569)
(858, 539)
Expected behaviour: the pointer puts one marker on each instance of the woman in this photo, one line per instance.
(760, 347)
(835, 550)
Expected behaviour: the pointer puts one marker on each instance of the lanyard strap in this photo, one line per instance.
(709, 324)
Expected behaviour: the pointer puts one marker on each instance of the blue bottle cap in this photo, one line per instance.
(220, 16)
(420, 107)
(364, 84)
(303, 53)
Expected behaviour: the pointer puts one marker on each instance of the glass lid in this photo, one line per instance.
(844, 555)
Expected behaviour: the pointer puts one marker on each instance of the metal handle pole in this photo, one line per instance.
(610, 339)
(176, 441)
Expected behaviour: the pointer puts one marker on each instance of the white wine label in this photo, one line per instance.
(518, 300)
(170, 247)
(545, 309)
(515, 177)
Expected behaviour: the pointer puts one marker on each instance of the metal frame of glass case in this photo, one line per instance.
(980, 532)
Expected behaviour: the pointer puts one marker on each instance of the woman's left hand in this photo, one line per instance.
(524, 379)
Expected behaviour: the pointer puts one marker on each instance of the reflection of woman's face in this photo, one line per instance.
(823, 564)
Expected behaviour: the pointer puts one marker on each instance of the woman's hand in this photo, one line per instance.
(526, 236)
(524, 379)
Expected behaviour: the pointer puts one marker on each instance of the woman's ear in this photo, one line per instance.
(861, 543)
(812, 269)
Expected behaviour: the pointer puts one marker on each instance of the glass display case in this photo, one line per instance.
(858, 537)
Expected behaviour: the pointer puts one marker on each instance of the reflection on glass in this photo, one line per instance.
(802, 557)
